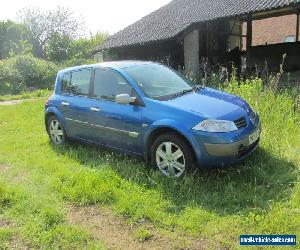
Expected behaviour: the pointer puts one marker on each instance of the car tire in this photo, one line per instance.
(56, 131)
(172, 155)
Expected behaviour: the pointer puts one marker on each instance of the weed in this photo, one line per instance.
(142, 234)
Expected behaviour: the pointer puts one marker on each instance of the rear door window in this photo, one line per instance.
(77, 82)
(80, 82)
(65, 83)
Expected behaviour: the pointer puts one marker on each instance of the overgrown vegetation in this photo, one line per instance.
(27, 95)
(261, 195)
(20, 72)
(32, 51)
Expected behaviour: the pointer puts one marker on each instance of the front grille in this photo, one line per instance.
(241, 123)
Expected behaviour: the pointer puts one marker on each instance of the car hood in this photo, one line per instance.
(209, 103)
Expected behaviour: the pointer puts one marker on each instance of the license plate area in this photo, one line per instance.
(254, 137)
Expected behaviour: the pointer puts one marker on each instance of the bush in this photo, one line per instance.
(21, 72)
(77, 61)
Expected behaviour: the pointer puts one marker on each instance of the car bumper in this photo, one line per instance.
(229, 149)
(219, 151)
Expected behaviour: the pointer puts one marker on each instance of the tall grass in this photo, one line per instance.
(261, 195)
(27, 95)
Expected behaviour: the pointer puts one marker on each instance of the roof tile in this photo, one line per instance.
(175, 17)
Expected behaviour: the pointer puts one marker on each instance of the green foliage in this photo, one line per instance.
(7, 197)
(39, 222)
(5, 236)
(27, 95)
(23, 71)
(12, 39)
(54, 35)
(85, 188)
(142, 234)
(261, 195)
(58, 48)
(84, 47)
(70, 237)
(45, 26)
(62, 49)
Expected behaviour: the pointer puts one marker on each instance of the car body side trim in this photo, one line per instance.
(129, 133)
(73, 120)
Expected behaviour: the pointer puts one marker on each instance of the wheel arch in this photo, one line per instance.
(51, 111)
(158, 131)
(47, 116)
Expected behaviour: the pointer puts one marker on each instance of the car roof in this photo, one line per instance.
(113, 65)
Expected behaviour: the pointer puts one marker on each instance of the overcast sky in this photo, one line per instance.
(99, 15)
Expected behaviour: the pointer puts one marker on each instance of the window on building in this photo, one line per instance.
(272, 30)
(289, 39)
(108, 84)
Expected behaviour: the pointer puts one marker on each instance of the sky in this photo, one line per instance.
(101, 15)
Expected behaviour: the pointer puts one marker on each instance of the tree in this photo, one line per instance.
(84, 47)
(61, 48)
(58, 48)
(12, 39)
(46, 26)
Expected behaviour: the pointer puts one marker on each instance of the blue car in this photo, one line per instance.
(150, 110)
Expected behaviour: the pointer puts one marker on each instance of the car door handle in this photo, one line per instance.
(95, 109)
(65, 104)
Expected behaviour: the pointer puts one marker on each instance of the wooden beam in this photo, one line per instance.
(297, 28)
(249, 32)
(271, 13)
(232, 34)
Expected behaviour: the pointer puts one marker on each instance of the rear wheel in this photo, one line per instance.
(172, 155)
(56, 131)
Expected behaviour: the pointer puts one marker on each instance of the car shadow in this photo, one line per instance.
(261, 179)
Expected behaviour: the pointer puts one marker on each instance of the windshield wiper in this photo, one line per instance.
(197, 88)
(181, 93)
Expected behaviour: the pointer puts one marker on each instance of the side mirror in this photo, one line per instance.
(125, 99)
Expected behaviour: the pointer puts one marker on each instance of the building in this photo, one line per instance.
(274, 30)
(191, 33)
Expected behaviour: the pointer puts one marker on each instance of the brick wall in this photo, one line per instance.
(272, 30)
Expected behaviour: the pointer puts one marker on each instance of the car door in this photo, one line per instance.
(74, 104)
(114, 125)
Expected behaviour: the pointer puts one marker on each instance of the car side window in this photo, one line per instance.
(65, 83)
(80, 82)
(108, 84)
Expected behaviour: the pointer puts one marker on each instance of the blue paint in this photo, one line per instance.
(111, 126)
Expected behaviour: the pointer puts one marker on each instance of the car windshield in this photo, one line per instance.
(158, 81)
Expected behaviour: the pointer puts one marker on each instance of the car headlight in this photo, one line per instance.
(218, 126)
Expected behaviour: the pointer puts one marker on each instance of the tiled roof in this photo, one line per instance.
(175, 17)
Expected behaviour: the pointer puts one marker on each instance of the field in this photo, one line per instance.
(26, 95)
(45, 188)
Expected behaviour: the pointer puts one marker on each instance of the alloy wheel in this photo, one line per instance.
(170, 159)
(56, 132)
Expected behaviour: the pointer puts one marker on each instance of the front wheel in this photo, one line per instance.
(56, 131)
(172, 155)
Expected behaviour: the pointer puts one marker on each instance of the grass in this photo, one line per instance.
(142, 234)
(261, 195)
(27, 95)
